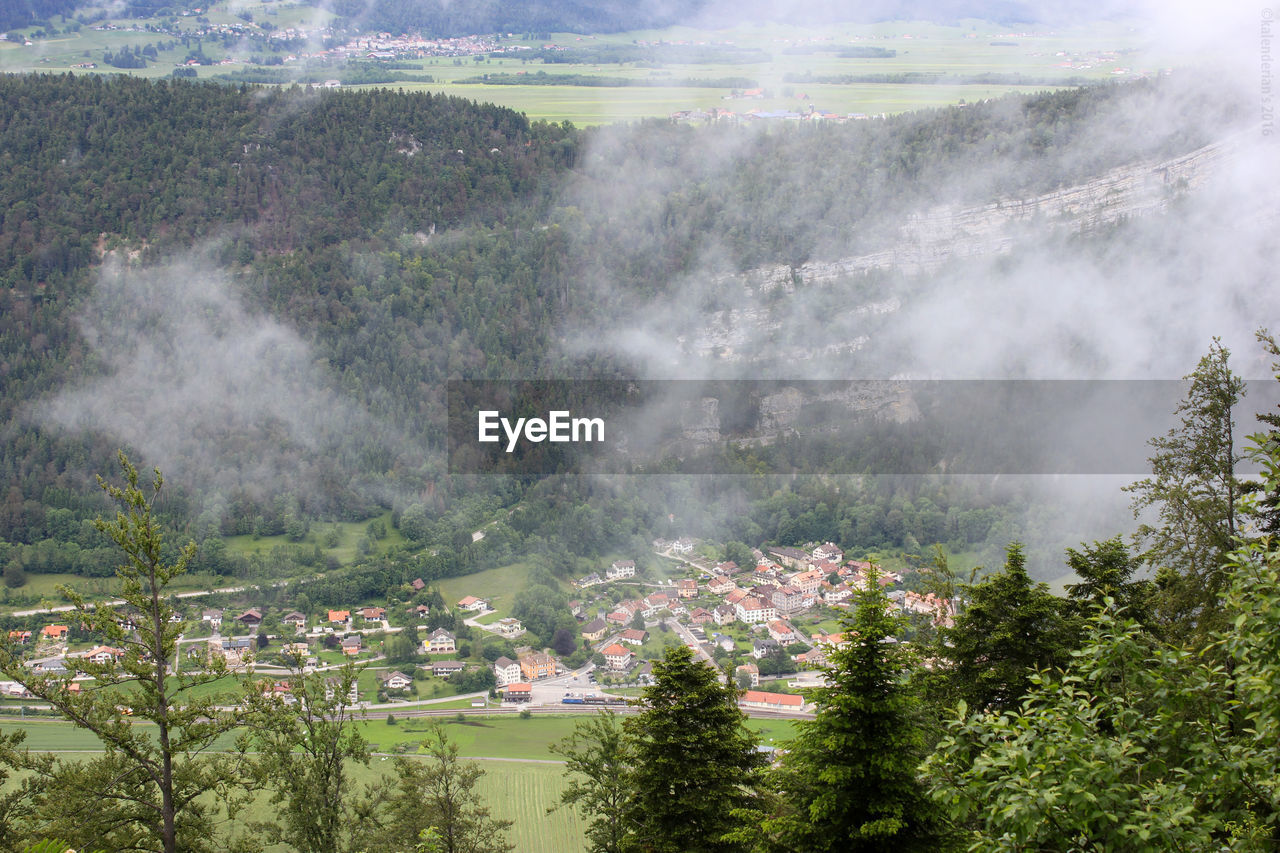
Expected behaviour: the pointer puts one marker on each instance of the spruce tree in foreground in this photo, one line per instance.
(695, 763)
(1010, 628)
(433, 797)
(848, 780)
(154, 788)
(1194, 494)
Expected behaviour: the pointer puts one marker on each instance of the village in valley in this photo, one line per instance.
(769, 627)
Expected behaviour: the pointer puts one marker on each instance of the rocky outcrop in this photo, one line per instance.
(924, 243)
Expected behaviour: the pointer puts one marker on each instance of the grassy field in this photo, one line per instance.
(499, 586)
(492, 737)
(42, 589)
(522, 793)
(479, 736)
(515, 791)
(795, 56)
(349, 534)
(522, 777)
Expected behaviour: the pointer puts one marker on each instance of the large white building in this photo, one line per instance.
(621, 569)
(753, 611)
(506, 671)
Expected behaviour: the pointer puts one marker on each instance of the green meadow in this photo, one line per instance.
(497, 585)
(523, 778)
(347, 534)
(795, 70)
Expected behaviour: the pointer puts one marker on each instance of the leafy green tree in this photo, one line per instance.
(1266, 509)
(848, 779)
(1194, 494)
(1142, 744)
(597, 764)
(1091, 761)
(303, 746)
(14, 575)
(163, 774)
(473, 680)
(403, 646)
(414, 523)
(695, 763)
(1010, 628)
(540, 606)
(435, 792)
(740, 553)
(18, 800)
(1251, 644)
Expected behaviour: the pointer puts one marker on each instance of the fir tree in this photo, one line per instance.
(1010, 628)
(848, 781)
(695, 763)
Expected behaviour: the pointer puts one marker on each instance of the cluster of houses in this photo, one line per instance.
(514, 678)
(811, 113)
(618, 570)
(58, 660)
(784, 584)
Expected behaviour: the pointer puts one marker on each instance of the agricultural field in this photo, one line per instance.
(894, 67)
(522, 793)
(41, 590)
(519, 791)
(522, 777)
(506, 737)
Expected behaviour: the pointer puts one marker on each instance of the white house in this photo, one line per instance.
(103, 654)
(621, 569)
(721, 585)
(396, 681)
(782, 632)
(506, 671)
(753, 611)
(508, 627)
(617, 657)
(724, 614)
(828, 551)
(440, 642)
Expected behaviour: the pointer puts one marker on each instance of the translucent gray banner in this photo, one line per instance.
(542, 427)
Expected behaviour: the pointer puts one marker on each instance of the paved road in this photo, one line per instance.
(690, 641)
(64, 608)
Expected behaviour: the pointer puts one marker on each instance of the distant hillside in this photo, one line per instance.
(263, 291)
(446, 18)
(443, 17)
(451, 18)
(24, 13)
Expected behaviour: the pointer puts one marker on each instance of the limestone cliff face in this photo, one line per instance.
(795, 321)
(764, 325)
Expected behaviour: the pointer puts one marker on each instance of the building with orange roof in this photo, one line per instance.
(772, 701)
(617, 657)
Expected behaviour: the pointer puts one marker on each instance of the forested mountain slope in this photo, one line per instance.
(392, 241)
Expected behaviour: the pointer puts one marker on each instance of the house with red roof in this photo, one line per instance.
(772, 701)
(617, 657)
